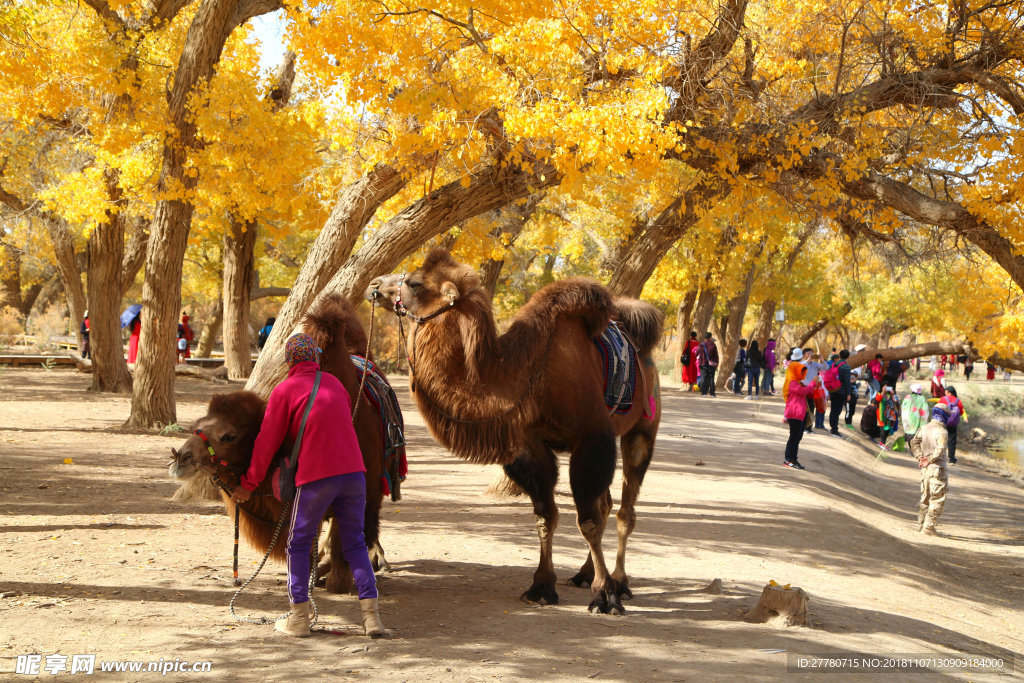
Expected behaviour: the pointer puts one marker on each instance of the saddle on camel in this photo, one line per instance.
(517, 398)
(221, 446)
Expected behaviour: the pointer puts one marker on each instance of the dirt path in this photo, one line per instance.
(99, 560)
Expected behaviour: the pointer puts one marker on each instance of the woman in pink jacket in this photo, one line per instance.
(796, 411)
(330, 474)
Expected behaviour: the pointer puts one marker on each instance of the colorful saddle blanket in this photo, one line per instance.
(381, 397)
(620, 368)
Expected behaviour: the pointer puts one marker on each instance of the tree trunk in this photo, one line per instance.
(105, 248)
(153, 390)
(239, 263)
(734, 325)
(67, 268)
(10, 278)
(395, 240)
(644, 253)
(683, 314)
(134, 255)
(704, 310)
(820, 325)
(765, 319)
(211, 330)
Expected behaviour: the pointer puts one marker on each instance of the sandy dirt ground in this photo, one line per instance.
(96, 558)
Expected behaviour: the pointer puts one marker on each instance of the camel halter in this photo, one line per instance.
(401, 310)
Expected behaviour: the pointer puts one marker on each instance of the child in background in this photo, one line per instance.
(182, 347)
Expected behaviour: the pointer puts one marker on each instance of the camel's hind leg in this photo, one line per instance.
(637, 448)
(591, 467)
(535, 470)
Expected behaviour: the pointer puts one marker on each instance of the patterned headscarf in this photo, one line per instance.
(300, 348)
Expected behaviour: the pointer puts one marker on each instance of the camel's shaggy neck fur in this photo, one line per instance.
(490, 383)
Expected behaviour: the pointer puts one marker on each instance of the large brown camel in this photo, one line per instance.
(233, 421)
(517, 398)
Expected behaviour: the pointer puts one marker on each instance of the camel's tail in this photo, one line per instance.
(642, 321)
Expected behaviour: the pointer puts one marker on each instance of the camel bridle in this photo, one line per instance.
(402, 311)
(214, 460)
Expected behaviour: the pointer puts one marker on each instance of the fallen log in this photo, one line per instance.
(912, 351)
(218, 374)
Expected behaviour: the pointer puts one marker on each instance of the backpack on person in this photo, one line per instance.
(954, 416)
(830, 378)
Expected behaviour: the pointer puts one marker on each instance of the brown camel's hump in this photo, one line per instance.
(642, 321)
(334, 321)
(242, 409)
(580, 297)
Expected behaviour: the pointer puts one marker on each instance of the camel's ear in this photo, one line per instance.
(450, 292)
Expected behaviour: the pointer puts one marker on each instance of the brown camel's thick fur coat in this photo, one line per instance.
(537, 388)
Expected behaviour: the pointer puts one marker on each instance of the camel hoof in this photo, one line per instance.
(540, 594)
(605, 603)
(624, 593)
(580, 580)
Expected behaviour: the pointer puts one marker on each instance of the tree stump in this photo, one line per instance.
(780, 604)
(713, 588)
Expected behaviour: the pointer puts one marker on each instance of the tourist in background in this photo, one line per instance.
(955, 412)
(84, 331)
(689, 362)
(914, 414)
(930, 444)
(707, 352)
(770, 363)
(797, 392)
(755, 363)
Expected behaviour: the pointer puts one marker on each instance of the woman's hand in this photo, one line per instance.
(241, 494)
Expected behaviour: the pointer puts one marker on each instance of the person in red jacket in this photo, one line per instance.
(796, 410)
(330, 474)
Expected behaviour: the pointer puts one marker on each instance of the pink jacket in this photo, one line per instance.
(329, 445)
(796, 400)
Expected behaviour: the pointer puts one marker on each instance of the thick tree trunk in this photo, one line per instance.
(765, 320)
(106, 246)
(10, 278)
(733, 325)
(239, 264)
(211, 330)
(490, 189)
(704, 310)
(683, 315)
(67, 269)
(153, 390)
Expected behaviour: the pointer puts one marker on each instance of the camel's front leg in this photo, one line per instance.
(637, 448)
(591, 467)
(535, 470)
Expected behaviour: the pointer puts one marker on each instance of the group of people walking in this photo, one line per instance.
(752, 368)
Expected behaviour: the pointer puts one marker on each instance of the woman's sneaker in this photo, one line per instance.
(794, 464)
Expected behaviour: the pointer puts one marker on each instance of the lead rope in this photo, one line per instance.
(366, 367)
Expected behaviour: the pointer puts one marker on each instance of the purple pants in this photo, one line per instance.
(347, 494)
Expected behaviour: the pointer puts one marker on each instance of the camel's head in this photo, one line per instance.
(221, 443)
(435, 286)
